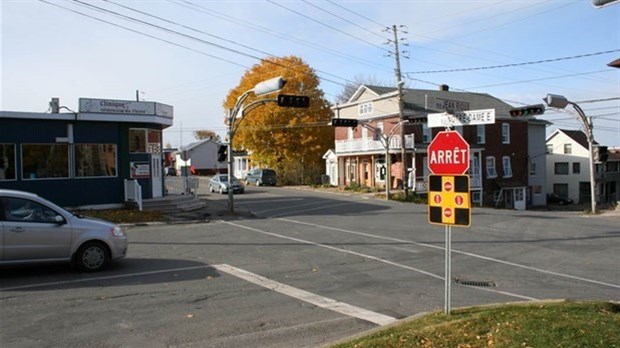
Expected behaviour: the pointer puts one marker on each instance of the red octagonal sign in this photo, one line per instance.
(448, 154)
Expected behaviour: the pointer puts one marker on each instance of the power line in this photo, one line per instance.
(145, 34)
(515, 64)
(326, 25)
(542, 79)
(226, 17)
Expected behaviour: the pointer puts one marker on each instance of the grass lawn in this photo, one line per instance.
(539, 325)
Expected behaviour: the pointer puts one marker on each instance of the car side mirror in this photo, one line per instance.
(59, 220)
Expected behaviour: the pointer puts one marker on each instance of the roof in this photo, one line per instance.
(578, 136)
(194, 145)
(417, 100)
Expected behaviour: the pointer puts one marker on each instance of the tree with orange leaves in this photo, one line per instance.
(290, 140)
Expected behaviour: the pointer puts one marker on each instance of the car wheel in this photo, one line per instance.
(221, 191)
(92, 257)
(257, 182)
(211, 189)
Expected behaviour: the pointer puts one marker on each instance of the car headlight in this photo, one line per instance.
(117, 231)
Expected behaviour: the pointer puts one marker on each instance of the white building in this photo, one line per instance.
(568, 170)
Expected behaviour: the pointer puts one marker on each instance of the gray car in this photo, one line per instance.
(261, 177)
(219, 183)
(35, 230)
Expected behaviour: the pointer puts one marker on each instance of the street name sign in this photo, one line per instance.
(448, 154)
(461, 118)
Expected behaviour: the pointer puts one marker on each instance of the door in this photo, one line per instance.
(31, 233)
(156, 175)
(519, 198)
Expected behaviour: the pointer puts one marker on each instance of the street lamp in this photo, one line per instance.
(238, 112)
(560, 102)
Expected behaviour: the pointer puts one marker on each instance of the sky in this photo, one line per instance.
(191, 53)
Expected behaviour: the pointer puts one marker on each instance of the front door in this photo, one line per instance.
(156, 175)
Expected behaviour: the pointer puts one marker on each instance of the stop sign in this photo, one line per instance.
(448, 154)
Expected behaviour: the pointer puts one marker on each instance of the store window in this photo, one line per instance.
(43, 161)
(137, 140)
(7, 162)
(95, 160)
(144, 140)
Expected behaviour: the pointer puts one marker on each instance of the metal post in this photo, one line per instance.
(231, 119)
(448, 271)
(588, 126)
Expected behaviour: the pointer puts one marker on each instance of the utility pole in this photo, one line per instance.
(401, 113)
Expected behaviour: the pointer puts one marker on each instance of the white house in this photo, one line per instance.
(202, 156)
(331, 167)
(568, 170)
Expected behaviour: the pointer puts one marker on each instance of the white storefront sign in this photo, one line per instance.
(127, 107)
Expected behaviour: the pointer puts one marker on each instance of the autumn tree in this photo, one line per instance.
(204, 134)
(290, 140)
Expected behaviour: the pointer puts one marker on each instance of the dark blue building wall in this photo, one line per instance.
(77, 191)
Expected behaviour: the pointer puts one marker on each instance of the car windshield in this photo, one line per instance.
(224, 178)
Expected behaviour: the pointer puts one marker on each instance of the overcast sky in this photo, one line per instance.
(191, 53)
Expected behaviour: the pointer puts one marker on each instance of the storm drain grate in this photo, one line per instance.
(476, 283)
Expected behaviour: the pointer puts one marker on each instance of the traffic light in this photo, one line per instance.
(293, 101)
(222, 153)
(529, 110)
(600, 153)
(344, 122)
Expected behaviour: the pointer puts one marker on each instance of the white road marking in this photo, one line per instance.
(540, 270)
(366, 256)
(84, 280)
(317, 300)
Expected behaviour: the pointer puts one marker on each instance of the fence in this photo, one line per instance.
(181, 185)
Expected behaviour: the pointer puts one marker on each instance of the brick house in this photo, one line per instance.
(507, 158)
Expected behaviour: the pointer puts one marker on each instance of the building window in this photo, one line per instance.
(7, 162)
(549, 149)
(95, 160)
(568, 149)
(137, 140)
(532, 168)
(491, 171)
(42, 161)
(365, 108)
(507, 167)
(480, 134)
(561, 168)
(427, 133)
(505, 133)
(576, 168)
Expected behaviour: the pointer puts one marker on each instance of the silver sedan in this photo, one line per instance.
(219, 183)
(35, 230)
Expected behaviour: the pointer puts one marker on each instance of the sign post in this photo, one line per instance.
(448, 192)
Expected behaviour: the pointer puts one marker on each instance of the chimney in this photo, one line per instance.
(444, 87)
(55, 105)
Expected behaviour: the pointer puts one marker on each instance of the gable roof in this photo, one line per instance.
(193, 145)
(417, 100)
(577, 136)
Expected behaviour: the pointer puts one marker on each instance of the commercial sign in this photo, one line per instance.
(127, 107)
(139, 170)
(461, 118)
(448, 154)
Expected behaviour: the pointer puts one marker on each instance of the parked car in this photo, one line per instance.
(261, 177)
(35, 230)
(219, 183)
(561, 200)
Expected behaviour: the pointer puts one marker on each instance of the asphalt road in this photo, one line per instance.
(308, 269)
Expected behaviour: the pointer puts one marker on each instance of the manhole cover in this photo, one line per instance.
(476, 283)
